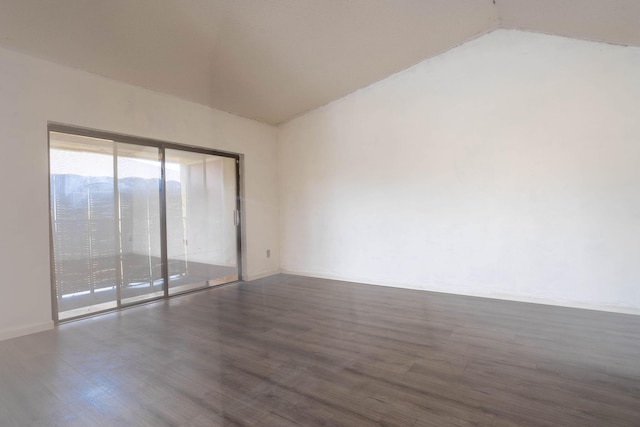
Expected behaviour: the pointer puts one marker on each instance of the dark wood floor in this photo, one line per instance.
(289, 350)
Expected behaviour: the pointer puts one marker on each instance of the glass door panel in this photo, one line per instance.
(139, 171)
(84, 224)
(201, 220)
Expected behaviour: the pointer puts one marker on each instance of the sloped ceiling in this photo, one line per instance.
(271, 60)
(611, 21)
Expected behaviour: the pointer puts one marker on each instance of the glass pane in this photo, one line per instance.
(201, 232)
(85, 247)
(139, 185)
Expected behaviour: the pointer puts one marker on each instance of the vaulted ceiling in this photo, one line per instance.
(271, 60)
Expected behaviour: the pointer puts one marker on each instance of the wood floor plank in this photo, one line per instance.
(289, 350)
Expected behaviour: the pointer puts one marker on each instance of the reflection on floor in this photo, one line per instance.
(288, 350)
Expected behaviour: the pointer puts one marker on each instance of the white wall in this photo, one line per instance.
(508, 167)
(33, 92)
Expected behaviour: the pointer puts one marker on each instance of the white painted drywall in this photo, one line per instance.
(508, 167)
(33, 92)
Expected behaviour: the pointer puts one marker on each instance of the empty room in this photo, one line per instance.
(320, 213)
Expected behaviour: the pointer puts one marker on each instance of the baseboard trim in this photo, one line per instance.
(262, 275)
(499, 296)
(7, 334)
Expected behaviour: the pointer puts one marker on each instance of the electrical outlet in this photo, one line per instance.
(268, 253)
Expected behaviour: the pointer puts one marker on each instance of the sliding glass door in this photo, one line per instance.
(201, 220)
(117, 222)
(84, 226)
